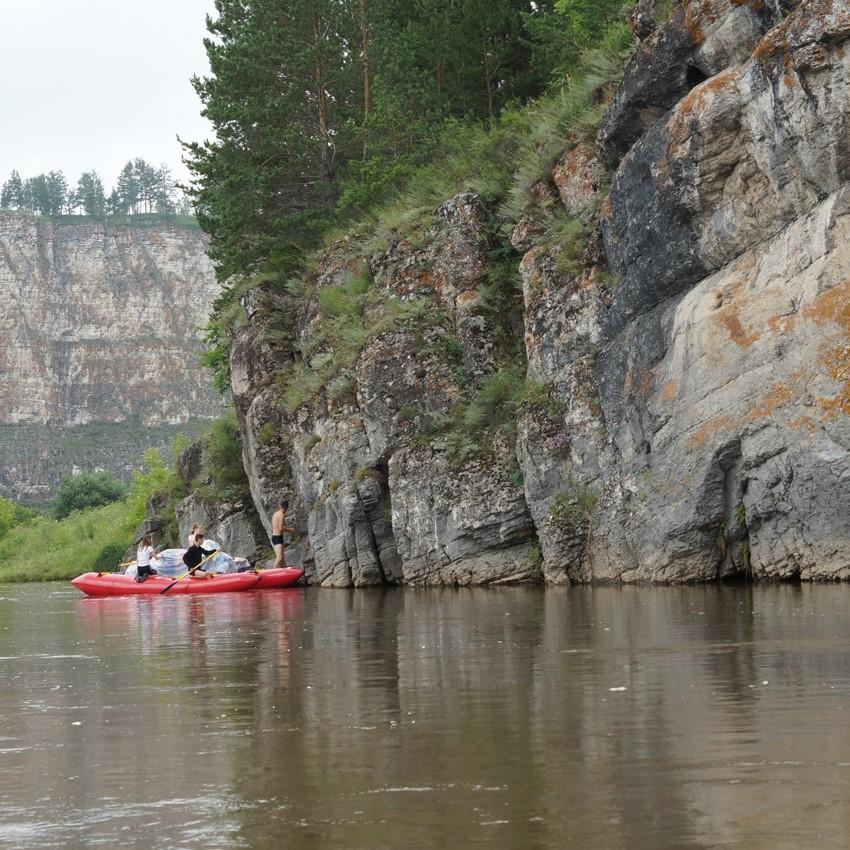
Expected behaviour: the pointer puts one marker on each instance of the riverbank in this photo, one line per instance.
(47, 549)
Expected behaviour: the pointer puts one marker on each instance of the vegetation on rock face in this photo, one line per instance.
(571, 509)
(222, 460)
(366, 115)
(350, 315)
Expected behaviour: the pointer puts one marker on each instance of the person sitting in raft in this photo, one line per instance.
(193, 556)
(144, 556)
(196, 529)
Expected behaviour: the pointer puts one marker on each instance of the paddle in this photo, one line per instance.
(164, 589)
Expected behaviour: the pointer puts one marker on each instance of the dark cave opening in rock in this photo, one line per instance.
(693, 77)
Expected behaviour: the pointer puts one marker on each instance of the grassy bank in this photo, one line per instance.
(45, 549)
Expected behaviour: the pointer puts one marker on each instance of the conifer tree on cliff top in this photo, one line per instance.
(303, 92)
(90, 194)
(12, 194)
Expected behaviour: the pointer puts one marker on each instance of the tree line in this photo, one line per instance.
(322, 108)
(140, 188)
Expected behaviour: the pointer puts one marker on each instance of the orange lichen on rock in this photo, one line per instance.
(778, 395)
(804, 422)
(774, 43)
(670, 389)
(692, 21)
(836, 360)
(736, 330)
(782, 324)
(692, 106)
(788, 78)
(707, 430)
(832, 306)
(640, 382)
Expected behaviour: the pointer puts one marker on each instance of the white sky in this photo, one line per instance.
(89, 84)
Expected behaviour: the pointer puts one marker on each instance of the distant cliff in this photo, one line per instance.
(100, 324)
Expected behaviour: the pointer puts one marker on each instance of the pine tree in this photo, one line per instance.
(325, 105)
(114, 204)
(12, 194)
(57, 193)
(280, 101)
(90, 195)
(125, 196)
(37, 192)
(560, 30)
(146, 179)
(164, 191)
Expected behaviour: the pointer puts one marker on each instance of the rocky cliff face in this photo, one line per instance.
(691, 418)
(101, 324)
(373, 504)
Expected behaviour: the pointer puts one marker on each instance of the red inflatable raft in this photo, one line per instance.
(116, 584)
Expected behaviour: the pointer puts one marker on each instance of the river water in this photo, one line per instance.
(502, 718)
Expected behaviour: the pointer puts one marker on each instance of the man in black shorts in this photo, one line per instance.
(279, 528)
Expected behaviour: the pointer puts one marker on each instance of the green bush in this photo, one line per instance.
(267, 433)
(496, 401)
(156, 477)
(571, 509)
(87, 490)
(8, 515)
(109, 558)
(49, 549)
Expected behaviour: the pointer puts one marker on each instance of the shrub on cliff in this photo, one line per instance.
(221, 474)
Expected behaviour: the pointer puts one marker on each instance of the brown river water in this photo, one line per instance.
(502, 718)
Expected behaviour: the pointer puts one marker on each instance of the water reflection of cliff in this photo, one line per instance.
(609, 718)
(497, 718)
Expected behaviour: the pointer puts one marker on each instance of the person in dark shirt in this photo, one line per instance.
(195, 554)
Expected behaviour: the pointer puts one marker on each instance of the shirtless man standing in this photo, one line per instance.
(279, 528)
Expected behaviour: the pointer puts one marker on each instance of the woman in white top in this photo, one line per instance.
(144, 556)
(196, 529)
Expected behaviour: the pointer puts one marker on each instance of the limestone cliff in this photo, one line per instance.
(101, 324)
(692, 413)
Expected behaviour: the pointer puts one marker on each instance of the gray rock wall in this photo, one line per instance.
(372, 508)
(233, 525)
(690, 415)
(716, 357)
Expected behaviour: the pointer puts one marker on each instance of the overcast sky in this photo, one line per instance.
(89, 84)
